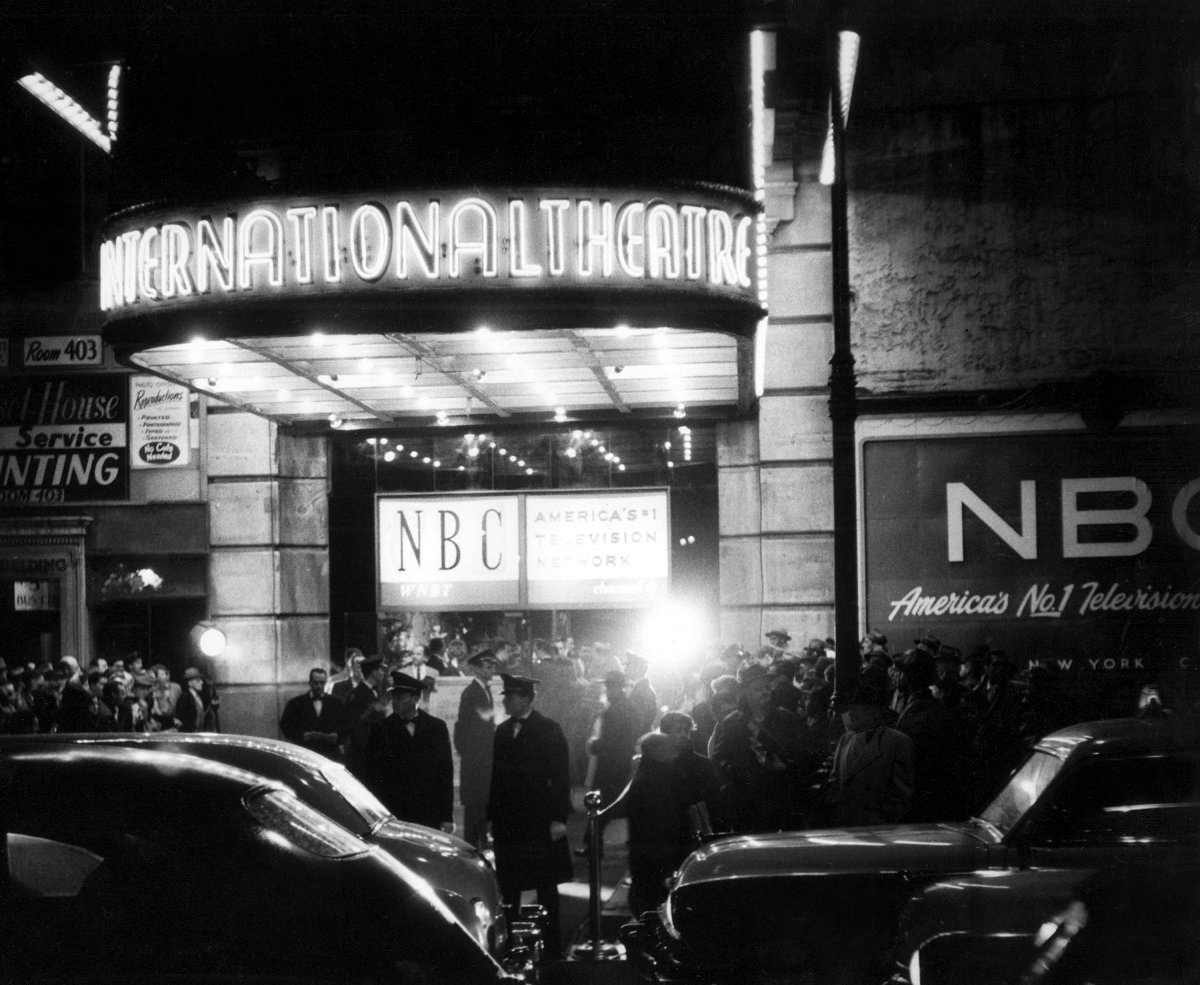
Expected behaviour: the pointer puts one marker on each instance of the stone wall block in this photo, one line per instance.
(797, 571)
(798, 356)
(738, 500)
(249, 656)
(301, 456)
(794, 428)
(741, 573)
(243, 582)
(797, 499)
(240, 513)
(741, 626)
(800, 284)
(303, 578)
(303, 645)
(303, 511)
(252, 709)
(737, 442)
(239, 445)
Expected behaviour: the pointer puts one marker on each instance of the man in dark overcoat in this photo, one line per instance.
(529, 803)
(474, 735)
(409, 763)
(314, 719)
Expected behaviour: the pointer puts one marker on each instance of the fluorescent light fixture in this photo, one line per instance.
(762, 60)
(42, 89)
(848, 45)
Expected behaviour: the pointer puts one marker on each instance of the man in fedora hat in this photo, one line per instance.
(777, 641)
(408, 759)
(474, 738)
(529, 803)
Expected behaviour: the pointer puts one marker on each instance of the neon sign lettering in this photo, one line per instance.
(296, 247)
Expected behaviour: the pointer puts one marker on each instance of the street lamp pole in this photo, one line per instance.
(842, 405)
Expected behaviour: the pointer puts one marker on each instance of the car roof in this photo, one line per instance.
(198, 740)
(153, 762)
(1124, 736)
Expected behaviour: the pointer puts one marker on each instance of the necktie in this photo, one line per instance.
(516, 728)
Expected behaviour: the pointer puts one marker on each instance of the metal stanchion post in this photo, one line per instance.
(595, 949)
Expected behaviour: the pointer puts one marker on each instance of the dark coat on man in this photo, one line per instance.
(531, 789)
(412, 774)
(300, 716)
(765, 770)
(937, 744)
(474, 739)
(193, 714)
(620, 728)
(645, 703)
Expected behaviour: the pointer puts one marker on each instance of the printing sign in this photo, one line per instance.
(159, 419)
(599, 550)
(63, 440)
(448, 552)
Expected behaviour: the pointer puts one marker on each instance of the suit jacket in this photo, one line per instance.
(620, 728)
(474, 739)
(531, 788)
(763, 775)
(343, 689)
(412, 774)
(300, 716)
(191, 713)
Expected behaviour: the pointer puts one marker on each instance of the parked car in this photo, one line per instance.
(769, 906)
(1128, 922)
(458, 873)
(125, 863)
(1126, 927)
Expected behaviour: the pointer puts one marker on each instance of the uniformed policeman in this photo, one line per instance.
(409, 763)
(529, 803)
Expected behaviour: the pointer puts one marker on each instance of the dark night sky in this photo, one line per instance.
(228, 99)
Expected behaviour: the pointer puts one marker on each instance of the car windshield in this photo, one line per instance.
(359, 797)
(1022, 791)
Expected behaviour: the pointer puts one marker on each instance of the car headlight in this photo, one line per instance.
(667, 916)
(914, 968)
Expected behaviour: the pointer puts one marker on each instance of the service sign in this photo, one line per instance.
(63, 439)
(448, 552)
(159, 423)
(57, 351)
(1077, 550)
(699, 241)
(598, 550)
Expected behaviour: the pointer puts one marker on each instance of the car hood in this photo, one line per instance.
(888, 848)
(449, 861)
(459, 874)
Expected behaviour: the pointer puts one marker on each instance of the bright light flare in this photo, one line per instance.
(673, 635)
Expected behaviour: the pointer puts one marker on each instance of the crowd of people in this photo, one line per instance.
(751, 743)
(121, 696)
